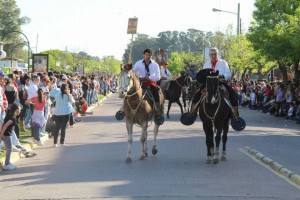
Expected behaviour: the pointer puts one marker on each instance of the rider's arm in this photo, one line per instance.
(156, 70)
(227, 73)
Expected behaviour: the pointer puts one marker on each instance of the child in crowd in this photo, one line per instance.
(8, 127)
(38, 118)
(252, 99)
(290, 113)
(82, 107)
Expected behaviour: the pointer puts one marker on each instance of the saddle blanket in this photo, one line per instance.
(164, 85)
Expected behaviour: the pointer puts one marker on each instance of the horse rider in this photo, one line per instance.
(215, 63)
(164, 72)
(149, 73)
(191, 72)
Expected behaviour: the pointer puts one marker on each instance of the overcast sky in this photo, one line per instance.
(99, 27)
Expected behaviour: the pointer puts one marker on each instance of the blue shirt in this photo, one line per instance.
(63, 103)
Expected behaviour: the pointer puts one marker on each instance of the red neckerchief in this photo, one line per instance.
(213, 64)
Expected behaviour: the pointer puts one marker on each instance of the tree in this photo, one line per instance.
(269, 32)
(10, 20)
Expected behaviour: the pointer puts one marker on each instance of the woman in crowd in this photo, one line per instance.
(62, 110)
(23, 96)
(9, 124)
(38, 117)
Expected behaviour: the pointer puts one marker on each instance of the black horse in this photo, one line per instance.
(173, 92)
(215, 114)
(188, 93)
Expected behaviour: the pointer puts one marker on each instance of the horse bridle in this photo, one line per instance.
(127, 97)
(179, 83)
(219, 103)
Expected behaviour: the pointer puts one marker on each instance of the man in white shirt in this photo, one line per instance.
(164, 72)
(215, 63)
(149, 73)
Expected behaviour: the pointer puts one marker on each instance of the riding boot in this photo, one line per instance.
(22, 126)
(235, 112)
(158, 114)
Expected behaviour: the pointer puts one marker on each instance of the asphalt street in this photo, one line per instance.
(93, 166)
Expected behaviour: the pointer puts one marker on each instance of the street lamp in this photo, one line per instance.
(28, 43)
(238, 30)
(203, 43)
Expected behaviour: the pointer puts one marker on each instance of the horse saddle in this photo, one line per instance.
(164, 85)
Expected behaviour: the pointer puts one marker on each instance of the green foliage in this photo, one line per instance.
(59, 60)
(275, 32)
(10, 20)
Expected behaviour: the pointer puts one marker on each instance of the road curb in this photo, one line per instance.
(280, 169)
(29, 145)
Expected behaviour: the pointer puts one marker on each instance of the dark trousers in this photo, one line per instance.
(154, 91)
(60, 124)
(36, 131)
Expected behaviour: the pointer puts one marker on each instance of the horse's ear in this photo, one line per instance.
(129, 66)
(217, 72)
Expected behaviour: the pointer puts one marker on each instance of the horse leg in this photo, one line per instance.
(184, 101)
(217, 140)
(154, 146)
(129, 127)
(207, 127)
(143, 140)
(169, 107)
(180, 105)
(224, 140)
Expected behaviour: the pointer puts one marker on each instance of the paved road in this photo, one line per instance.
(93, 167)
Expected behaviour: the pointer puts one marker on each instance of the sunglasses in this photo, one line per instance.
(213, 54)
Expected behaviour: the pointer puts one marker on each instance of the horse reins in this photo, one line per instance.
(219, 103)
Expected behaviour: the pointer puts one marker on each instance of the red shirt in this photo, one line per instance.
(37, 104)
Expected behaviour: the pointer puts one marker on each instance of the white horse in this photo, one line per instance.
(138, 110)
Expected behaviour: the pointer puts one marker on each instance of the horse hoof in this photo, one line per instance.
(208, 161)
(143, 157)
(146, 155)
(215, 161)
(223, 158)
(154, 150)
(128, 160)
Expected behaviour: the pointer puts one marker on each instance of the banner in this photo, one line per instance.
(132, 25)
(40, 63)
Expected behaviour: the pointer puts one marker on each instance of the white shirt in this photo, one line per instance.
(222, 66)
(32, 90)
(140, 69)
(165, 73)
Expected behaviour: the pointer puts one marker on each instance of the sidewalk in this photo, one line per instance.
(28, 143)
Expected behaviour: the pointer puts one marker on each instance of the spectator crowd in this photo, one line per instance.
(46, 103)
(274, 98)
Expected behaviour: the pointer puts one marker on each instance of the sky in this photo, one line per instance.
(99, 27)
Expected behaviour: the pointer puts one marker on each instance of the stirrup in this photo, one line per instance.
(120, 115)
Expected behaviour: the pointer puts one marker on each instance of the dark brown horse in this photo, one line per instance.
(215, 114)
(173, 92)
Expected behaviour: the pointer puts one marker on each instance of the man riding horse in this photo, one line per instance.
(217, 64)
(149, 73)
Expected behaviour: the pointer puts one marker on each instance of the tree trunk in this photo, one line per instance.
(296, 69)
(283, 69)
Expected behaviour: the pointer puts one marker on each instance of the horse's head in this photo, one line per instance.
(212, 87)
(126, 81)
(187, 81)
